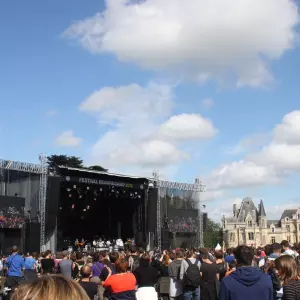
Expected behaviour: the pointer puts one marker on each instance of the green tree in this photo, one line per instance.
(97, 168)
(64, 160)
(213, 234)
(71, 162)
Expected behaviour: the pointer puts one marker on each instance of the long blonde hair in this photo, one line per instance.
(50, 287)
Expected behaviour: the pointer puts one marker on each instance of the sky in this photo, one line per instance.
(193, 88)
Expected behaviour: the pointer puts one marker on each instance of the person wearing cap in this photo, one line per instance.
(66, 265)
(15, 265)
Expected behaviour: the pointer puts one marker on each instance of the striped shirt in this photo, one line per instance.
(291, 291)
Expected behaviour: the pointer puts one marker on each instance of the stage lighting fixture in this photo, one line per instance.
(60, 208)
(88, 207)
(70, 195)
(88, 188)
(139, 196)
(136, 193)
(100, 189)
(80, 196)
(73, 206)
(95, 199)
(84, 210)
(74, 186)
(68, 189)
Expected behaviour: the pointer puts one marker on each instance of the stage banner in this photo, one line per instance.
(101, 182)
(12, 212)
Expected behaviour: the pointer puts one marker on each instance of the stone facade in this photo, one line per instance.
(249, 226)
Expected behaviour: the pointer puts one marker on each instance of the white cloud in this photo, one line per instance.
(241, 174)
(223, 208)
(142, 132)
(207, 103)
(197, 39)
(187, 127)
(268, 166)
(68, 139)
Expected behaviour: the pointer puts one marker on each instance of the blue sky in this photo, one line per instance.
(191, 90)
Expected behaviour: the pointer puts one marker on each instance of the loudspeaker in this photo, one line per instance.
(204, 221)
(139, 240)
(152, 209)
(32, 237)
(166, 237)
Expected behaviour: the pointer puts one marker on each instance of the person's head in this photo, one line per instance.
(166, 260)
(190, 254)
(79, 256)
(219, 254)
(65, 254)
(96, 257)
(14, 249)
(204, 253)
(52, 287)
(47, 254)
(86, 271)
(268, 249)
(286, 267)
(121, 265)
(276, 248)
(145, 259)
(232, 266)
(285, 245)
(244, 255)
(179, 254)
(113, 257)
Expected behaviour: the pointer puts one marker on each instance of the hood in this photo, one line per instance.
(247, 276)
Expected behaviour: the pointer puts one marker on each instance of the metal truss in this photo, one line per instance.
(197, 187)
(43, 198)
(20, 166)
(158, 210)
(42, 170)
(181, 186)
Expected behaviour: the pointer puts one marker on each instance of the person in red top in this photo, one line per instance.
(121, 285)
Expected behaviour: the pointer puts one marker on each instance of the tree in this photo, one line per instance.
(64, 160)
(213, 234)
(71, 162)
(97, 168)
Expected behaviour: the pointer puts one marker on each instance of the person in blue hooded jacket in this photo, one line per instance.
(247, 282)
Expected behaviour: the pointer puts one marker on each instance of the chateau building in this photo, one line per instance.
(250, 226)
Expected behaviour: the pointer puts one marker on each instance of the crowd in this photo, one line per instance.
(242, 273)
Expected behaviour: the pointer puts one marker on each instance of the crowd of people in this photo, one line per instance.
(245, 273)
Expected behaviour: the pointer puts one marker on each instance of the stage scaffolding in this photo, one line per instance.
(198, 188)
(42, 171)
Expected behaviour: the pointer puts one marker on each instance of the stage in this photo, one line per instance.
(68, 204)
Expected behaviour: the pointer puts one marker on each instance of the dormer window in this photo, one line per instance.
(298, 216)
(287, 219)
(250, 223)
(273, 229)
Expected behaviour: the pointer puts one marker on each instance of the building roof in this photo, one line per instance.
(262, 212)
(288, 213)
(276, 223)
(247, 207)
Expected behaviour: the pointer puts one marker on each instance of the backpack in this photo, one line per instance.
(192, 276)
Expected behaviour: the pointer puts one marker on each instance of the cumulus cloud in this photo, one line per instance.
(187, 127)
(142, 133)
(196, 39)
(275, 161)
(68, 139)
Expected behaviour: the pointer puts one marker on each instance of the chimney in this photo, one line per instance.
(234, 210)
